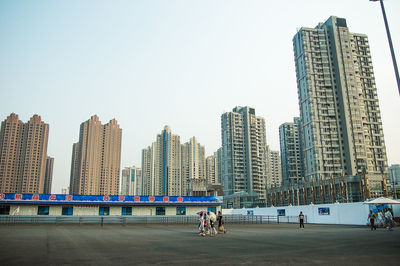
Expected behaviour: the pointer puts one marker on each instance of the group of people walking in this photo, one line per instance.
(207, 222)
(382, 218)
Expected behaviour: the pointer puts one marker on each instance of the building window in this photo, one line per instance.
(126, 211)
(68, 210)
(4, 209)
(160, 210)
(43, 210)
(180, 210)
(104, 211)
(212, 209)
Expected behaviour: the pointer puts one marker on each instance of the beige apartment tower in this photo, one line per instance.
(148, 168)
(193, 164)
(96, 159)
(212, 169)
(273, 168)
(23, 154)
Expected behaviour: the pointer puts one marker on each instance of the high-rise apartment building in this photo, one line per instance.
(96, 158)
(23, 153)
(131, 181)
(244, 156)
(161, 166)
(193, 163)
(394, 174)
(48, 176)
(339, 109)
(148, 168)
(273, 168)
(220, 165)
(74, 185)
(212, 169)
(394, 180)
(291, 152)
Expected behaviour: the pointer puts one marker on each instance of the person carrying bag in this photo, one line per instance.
(221, 227)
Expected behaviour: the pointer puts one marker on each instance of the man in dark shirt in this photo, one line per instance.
(301, 219)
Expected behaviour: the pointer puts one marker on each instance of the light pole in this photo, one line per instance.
(390, 43)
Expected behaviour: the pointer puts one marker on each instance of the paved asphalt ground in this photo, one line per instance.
(248, 244)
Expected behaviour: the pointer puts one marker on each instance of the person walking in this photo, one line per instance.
(220, 220)
(380, 218)
(213, 220)
(389, 220)
(209, 229)
(371, 217)
(201, 224)
(301, 219)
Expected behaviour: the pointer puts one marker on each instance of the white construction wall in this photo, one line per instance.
(339, 213)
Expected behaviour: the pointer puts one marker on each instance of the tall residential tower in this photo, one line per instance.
(96, 159)
(131, 181)
(212, 165)
(23, 154)
(161, 166)
(244, 156)
(193, 163)
(339, 108)
(273, 168)
(291, 152)
(48, 176)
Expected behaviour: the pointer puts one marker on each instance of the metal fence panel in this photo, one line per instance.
(126, 220)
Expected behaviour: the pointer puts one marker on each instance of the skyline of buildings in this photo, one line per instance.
(338, 135)
(96, 157)
(171, 168)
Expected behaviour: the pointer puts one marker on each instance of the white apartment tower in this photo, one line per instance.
(339, 108)
(212, 169)
(193, 163)
(273, 168)
(131, 181)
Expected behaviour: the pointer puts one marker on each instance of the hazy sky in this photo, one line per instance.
(179, 63)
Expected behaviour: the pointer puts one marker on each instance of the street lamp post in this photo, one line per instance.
(390, 43)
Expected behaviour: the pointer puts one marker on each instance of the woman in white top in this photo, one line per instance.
(201, 225)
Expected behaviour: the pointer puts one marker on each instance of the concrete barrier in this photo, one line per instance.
(336, 213)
